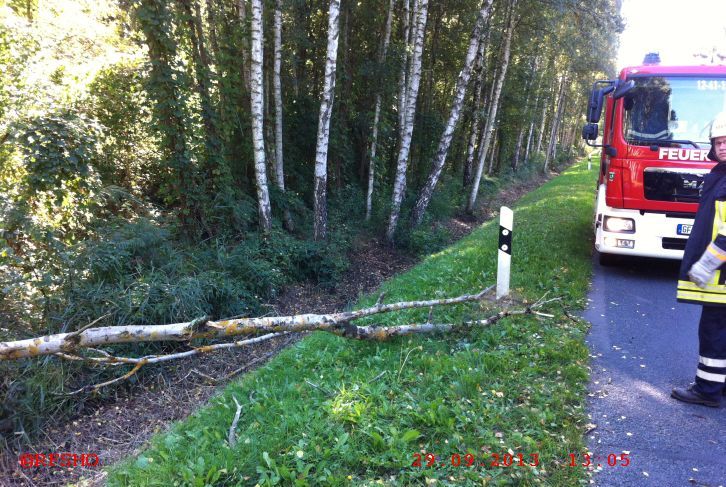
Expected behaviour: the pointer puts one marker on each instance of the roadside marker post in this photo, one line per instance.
(504, 262)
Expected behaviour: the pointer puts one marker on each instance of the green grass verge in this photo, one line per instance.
(518, 386)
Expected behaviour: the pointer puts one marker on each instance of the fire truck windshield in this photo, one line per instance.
(677, 110)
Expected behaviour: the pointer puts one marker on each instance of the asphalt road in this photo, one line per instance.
(643, 343)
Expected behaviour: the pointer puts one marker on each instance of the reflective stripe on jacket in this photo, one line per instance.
(709, 226)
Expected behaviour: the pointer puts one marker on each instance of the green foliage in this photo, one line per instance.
(16, 47)
(58, 151)
(130, 152)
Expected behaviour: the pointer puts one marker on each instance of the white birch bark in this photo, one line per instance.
(493, 155)
(445, 142)
(402, 81)
(487, 103)
(242, 13)
(491, 120)
(277, 88)
(543, 123)
(529, 143)
(376, 116)
(91, 337)
(479, 69)
(399, 186)
(518, 149)
(257, 111)
(320, 204)
(525, 114)
(531, 117)
(552, 147)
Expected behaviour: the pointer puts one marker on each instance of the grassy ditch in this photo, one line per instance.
(333, 411)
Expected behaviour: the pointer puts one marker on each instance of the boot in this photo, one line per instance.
(691, 396)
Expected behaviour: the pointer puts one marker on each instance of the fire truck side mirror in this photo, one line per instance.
(594, 107)
(623, 89)
(590, 131)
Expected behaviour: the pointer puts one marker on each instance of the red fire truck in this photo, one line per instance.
(654, 147)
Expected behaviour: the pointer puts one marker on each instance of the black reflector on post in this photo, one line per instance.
(504, 261)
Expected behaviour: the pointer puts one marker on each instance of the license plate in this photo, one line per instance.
(684, 229)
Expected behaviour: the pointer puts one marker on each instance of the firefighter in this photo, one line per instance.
(702, 278)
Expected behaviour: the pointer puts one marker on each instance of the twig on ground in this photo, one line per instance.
(398, 377)
(245, 367)
(232, 437)
(312, 384)
(377, 377)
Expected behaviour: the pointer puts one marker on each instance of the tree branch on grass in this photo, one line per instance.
(336, 323)
(202, 328)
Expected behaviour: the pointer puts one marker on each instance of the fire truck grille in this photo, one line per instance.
(661, 184)
(674, 243)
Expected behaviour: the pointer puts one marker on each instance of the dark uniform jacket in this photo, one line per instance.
(709, 226)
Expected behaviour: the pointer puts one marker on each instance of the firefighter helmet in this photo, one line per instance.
(718, 129)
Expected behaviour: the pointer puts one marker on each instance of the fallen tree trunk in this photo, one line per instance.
(64, 345)
(202, 328)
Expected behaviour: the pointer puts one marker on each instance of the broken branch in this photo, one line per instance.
(201, 328)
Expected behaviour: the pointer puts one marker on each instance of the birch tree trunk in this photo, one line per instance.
(399, 186)
(479, 69)
(376, 116)
(486, 103)
(543, 124)
(277, 88)
(445, 141)
(518, 149)
(320, 205)
(529, 142)
(257, 110)
(552, 147)
(402, 81)
(493, 156)
(491, 120)
(531, 117)
(242, 13)
(520, 136)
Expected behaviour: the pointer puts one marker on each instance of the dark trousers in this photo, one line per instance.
(711, 372)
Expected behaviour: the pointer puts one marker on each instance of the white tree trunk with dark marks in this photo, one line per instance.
(543, 119)
(552, 147)
(320, 204)
(461, 84)
(530, 136)
(257, 111)
(277, 88)
(399, 185)
(479, 70)
(491, 120)
(377, 115)
(402, 81)
(90, 337)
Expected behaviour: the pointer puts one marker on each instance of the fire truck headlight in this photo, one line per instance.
(620, 225)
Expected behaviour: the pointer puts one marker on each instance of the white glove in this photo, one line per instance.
(703, 270)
